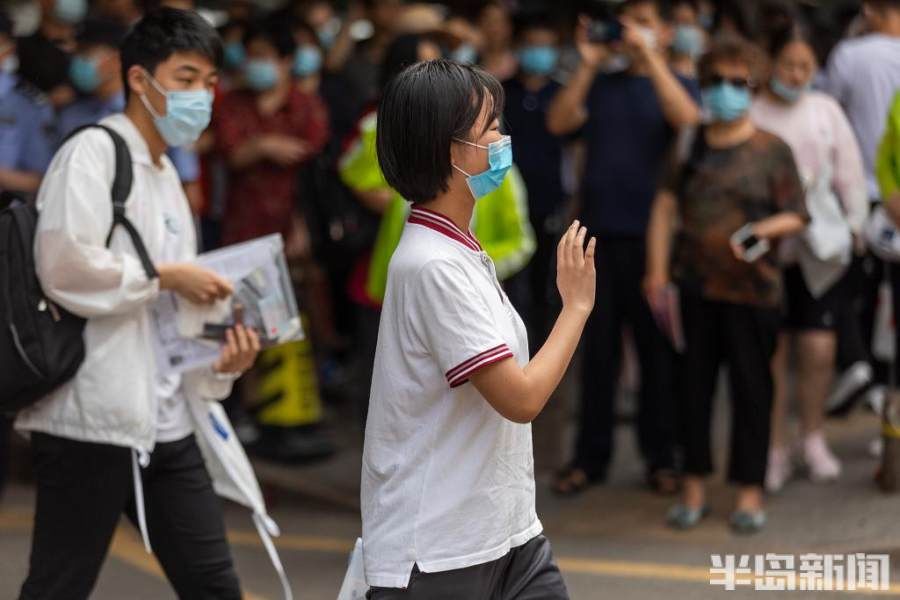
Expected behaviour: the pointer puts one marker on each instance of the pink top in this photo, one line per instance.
(820, 136)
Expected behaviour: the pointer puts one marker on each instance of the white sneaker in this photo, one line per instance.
(876, 447)
(875, 398)
(822, 464)
(848, 383)
(779, 469)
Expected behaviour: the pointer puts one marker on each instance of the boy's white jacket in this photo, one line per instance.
(112, 399)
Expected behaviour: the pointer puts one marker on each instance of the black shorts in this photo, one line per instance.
(802, 311)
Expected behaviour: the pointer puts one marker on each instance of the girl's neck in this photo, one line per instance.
(456, 205)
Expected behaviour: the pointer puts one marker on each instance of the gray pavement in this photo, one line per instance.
(610, 542)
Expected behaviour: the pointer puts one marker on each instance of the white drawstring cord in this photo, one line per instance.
(140, 458)
(266, 528)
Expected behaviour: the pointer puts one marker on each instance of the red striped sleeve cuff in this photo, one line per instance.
(460, 374)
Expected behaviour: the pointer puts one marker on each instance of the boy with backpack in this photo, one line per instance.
(119, 436)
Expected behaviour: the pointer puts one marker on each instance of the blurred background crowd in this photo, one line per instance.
(601, 100)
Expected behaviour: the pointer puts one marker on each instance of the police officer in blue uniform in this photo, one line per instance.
(26, 125)
(95, 72)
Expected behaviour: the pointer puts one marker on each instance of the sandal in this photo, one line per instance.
(684, 517)
(664, 482)
(745, 522)
(572, 481)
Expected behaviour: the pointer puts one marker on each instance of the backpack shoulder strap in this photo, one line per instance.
(119, 191)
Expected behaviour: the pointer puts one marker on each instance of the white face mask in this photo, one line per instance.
(649, 36)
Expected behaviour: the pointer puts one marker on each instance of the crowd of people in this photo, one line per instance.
(726, 156)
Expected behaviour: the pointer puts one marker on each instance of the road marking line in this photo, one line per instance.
(128, 549)
(582, 566)
(293, 542)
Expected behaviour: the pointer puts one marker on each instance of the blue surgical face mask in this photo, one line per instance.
(499, 161)
(328, 32)
(234, 55)
(70, 11)
(788, 93)
(261, 75)
(538, 60)
(307, 60)
(726, 102)
(84, 74)
(465, 54)
(187, 114)
(688, 41)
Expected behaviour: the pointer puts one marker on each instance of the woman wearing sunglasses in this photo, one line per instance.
(448, 503)
(735, 193)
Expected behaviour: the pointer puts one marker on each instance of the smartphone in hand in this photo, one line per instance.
(752, 246)
(604, 31)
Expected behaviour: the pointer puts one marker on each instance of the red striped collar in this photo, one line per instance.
(441, 224)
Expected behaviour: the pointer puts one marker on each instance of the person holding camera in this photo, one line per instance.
(628, 104)
(735, 194)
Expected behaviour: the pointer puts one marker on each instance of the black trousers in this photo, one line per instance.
(856, 323)
(83, 489)
(743, 338)
(525, 573)
(533, 291)
(620, 301)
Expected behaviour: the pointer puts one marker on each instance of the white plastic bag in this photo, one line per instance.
(354, 586)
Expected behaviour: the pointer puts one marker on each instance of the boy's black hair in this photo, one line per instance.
(660, 5)
(423, 111)
(164, 32)
(101, 32)
(298, 25)
(401, 53)
(6, 24)
(275, 31)
(531, 20)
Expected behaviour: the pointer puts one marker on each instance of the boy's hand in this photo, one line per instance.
(199, 285)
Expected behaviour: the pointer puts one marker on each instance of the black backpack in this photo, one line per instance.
(41, 344)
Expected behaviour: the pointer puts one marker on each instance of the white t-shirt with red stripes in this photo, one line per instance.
(447, 482)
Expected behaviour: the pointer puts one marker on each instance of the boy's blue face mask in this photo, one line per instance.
(84, 75)
(499, 161)
(260, 75)
(688, 41)
(234, 55)
(307, 60)
(726, 102)
(538, 60)
(70, 11)
(187, 114)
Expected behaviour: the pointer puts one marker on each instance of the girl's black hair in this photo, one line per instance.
(797, 31)
(423, 110)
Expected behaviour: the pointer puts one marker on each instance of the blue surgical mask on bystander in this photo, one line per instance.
(726, 102)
